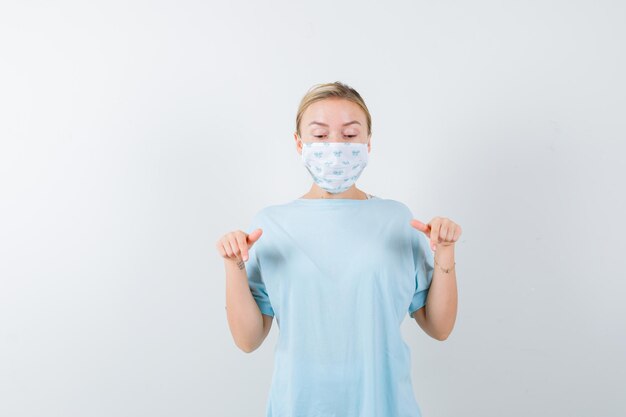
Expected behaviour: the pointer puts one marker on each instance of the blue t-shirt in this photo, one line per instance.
(339, 276)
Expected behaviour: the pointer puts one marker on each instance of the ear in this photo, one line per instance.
(298, 142)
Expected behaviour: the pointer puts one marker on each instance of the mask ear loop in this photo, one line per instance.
(301, 141)
(301, 146)
(302, 155)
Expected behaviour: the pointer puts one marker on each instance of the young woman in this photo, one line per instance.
(339, 268)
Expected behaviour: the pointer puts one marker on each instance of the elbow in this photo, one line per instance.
(246, 348)
(246, 344)
(441, 337)
(247, 339)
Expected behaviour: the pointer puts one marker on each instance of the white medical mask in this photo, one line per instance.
(334, 166)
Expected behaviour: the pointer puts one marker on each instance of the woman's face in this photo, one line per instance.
(333, 120)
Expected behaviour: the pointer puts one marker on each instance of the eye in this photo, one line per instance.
(351, 136)
(319, 136)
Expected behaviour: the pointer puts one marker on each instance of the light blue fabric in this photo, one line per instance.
(339, 276)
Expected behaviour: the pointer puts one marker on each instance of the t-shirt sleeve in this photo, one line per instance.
(423, 258)
(253, 270)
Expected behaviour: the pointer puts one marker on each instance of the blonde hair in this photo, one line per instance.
(337, 89)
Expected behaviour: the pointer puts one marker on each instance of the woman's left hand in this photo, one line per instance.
(440, 230)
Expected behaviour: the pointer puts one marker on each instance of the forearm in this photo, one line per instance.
(441, 305)
(244, 317)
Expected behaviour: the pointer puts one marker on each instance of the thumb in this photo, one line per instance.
(422, 227)
(254, 236)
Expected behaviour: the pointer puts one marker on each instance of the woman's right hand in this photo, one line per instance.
(247, 324)
(236, 243)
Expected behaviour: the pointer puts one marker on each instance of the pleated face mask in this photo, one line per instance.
(334, 166)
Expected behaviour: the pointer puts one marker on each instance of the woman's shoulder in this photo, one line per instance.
(389, 201)
(273, 210)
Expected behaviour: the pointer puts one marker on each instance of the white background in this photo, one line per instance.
(135, 134)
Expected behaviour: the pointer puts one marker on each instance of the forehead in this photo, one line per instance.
(333, 110)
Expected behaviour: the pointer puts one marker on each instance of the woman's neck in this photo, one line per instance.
(352, 193)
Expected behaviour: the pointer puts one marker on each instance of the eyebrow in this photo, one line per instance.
(324, 124)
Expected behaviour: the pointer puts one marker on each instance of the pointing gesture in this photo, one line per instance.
(232, 244)
(440, 231)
